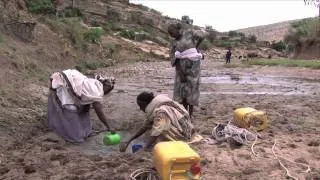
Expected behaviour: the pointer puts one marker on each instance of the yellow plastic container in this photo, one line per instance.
(250, 117)
(173, 160)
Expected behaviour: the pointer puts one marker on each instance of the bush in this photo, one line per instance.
(155, 11)
(136, 16)
(71, 28)
(205, 45)
(110, 26)
(232, 33)
(212, 35)
(291, 48)
(241, 34)
(94, 35)
(149, 21)
(129, 34)
(139, 18)
(85, 65)
(142, 7)
(225, 38)
(252, 55)
(113, 48)
(40, 6)
(225, 44)
(252, 39)
(208, 28)
(243, 39)
(72, 12)
(303, 31)
(113, 14)
(278, 46)
(186, 19)
(313, 64)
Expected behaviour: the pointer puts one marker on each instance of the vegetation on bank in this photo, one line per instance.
(40, 6)
(313, 64)
(304, 32)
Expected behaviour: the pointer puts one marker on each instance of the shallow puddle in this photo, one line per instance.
(254, 85)
(95, 145)
(255, 80)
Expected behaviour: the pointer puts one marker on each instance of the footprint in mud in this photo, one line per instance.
(314, 143)
(235, 77)
(249, 171)
(59, 157)
(301, 160)
(95, 158)
(4, 170)
(79, 170)
(245, 156)
(29, 169)
(293, 146)
(108, 164)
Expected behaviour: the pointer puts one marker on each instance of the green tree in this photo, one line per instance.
(252, 39)
(212, 35)
(186, 19)
(278, 46)
(316, 3)
(233, 33)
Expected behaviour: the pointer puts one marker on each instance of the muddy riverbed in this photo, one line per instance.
(290, 96)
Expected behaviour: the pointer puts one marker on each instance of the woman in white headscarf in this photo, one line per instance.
(71, 95)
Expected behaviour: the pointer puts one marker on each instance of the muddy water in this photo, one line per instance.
(238, 84)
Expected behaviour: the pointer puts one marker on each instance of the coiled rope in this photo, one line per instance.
(145, 174)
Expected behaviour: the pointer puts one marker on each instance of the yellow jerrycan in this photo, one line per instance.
(250, 118)
(175, 160)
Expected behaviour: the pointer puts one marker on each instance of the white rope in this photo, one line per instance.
(216, 134)
(150, 173)
(302, 164)
(254, 143)
(274, 154)
(230, 131)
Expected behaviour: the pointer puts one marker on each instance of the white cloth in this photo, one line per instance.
(90, 90)
(191, 54)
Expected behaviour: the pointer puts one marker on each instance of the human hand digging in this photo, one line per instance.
(123, 146)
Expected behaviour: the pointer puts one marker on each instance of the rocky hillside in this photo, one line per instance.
(271, 32)
(81, 33)
(37, 39)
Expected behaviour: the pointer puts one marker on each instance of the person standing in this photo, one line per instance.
(228, 56)
(186, 58)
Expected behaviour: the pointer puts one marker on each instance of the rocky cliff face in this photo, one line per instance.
(271, 32)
